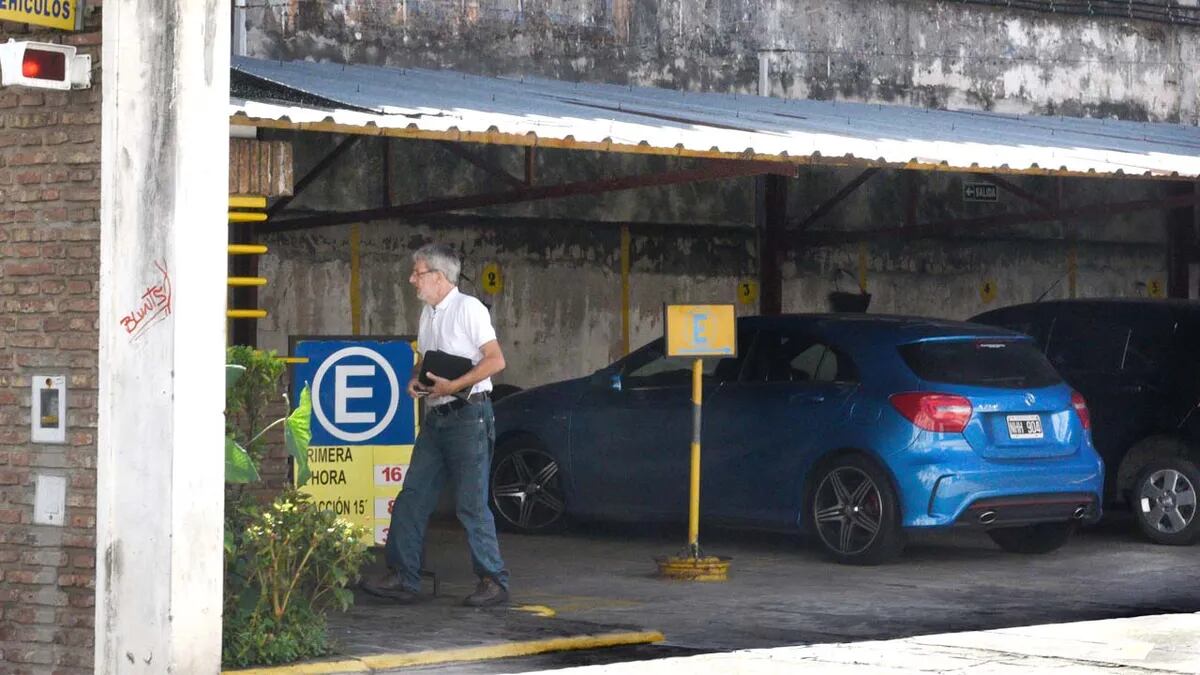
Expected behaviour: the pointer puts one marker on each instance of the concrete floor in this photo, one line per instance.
(781, 592)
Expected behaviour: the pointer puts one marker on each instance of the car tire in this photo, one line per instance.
(855, 513)
(1164, 501)
(525, 488)
(1032, 539)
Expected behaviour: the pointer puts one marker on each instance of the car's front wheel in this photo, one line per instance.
(1164, 501)
(526, 488)
(1032, 539)
(855, 513)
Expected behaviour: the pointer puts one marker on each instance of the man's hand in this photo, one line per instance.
(441, 386)
(416, 389)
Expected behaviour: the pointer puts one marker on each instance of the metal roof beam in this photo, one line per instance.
(711, 171)
(833, 201)
(489, 168)
(314, 173)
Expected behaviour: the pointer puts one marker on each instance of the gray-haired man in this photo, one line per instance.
(456, 437)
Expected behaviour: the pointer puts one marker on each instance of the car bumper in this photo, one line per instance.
(984, 493)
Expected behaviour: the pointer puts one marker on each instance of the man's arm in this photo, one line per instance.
(491, 363)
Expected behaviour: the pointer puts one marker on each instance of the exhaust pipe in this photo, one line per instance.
(1079, 513)
(987, 517)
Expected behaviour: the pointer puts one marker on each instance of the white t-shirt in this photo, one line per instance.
(458, 325)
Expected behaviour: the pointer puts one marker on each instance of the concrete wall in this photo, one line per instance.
(49, 272)
(915, 52)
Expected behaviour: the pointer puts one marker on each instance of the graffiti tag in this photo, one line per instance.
(153, 307)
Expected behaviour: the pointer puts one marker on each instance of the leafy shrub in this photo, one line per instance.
(292, 563)
(288, 563)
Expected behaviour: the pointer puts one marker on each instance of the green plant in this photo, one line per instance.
(251, 380)
(288, 563)
(292, 563)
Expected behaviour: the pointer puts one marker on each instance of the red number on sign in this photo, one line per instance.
(391, 502)
(392, 474)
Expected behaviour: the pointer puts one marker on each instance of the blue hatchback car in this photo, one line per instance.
(854, 428)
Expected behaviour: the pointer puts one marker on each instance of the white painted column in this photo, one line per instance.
(160, 471)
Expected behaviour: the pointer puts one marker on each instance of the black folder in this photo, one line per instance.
(444, 365)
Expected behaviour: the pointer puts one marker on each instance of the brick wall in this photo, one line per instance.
(49, 272)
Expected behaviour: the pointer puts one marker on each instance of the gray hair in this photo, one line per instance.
(442, 258)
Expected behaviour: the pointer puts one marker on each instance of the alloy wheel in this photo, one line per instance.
(1171, 501)
(526, 490)
(847, 509)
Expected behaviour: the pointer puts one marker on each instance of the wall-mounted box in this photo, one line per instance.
(48, 400)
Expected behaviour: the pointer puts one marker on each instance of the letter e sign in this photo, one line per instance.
(492, 281)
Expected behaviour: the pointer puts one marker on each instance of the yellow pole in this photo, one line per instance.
(625, 246)
(694, 506)
(355, 299)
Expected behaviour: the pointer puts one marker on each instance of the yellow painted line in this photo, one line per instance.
(247, 249)
(371, 664)
(349, 666)
(245, 313)
(246, 217)
(246, 281)
(292, 359)
(527, 648)
(248, 202)
(537, 610)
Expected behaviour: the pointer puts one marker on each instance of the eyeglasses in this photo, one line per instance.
(421, 274)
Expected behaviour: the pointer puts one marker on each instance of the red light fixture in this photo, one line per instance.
(42, 64)
(932, 411)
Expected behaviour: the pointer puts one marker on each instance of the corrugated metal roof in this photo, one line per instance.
(533, 111)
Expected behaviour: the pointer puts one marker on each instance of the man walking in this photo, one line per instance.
(456, 438)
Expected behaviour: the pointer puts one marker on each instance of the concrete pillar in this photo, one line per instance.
(164, 173)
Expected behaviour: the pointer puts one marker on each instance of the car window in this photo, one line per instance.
(1006, 364)
(1094, 345)
(649, 367)
(782, 357)
(1087, 345)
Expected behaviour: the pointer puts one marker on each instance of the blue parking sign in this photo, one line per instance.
(358, 391)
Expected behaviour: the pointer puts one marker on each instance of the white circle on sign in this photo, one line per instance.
(352, 436)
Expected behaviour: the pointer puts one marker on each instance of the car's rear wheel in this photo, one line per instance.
(1164, 501)
(526, 488)
(1032, 539)
(855, 513)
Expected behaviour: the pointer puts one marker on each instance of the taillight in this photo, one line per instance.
(1081, 409)
(934, 412)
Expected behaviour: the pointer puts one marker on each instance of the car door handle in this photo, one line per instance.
(806, 398)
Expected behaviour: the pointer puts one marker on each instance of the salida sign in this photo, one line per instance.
(363, 425)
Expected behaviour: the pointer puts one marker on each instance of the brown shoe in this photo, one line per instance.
(487, 594)
(390, 588)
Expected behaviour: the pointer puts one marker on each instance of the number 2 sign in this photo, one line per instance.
(492, 281)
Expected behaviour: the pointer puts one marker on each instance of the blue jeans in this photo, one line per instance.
(454, 445)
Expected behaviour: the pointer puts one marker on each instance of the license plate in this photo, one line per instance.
(1024, 426)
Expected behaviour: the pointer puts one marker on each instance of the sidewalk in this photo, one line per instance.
(1148, 644)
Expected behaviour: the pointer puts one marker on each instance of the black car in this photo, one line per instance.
(1137, 364)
